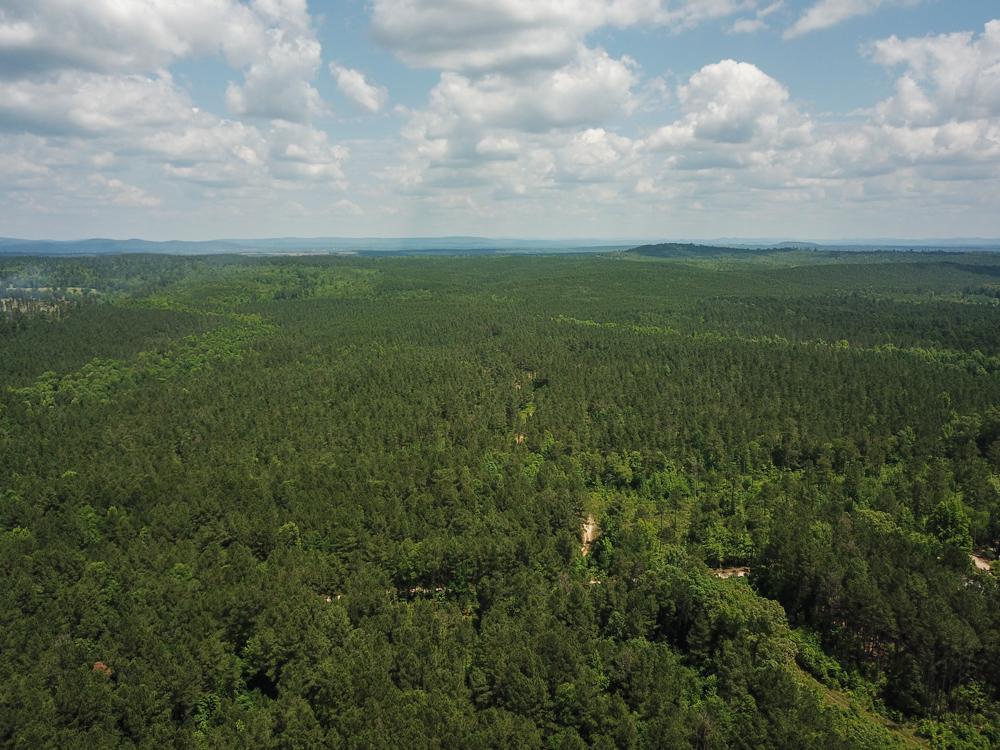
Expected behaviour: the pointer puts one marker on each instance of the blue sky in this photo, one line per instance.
(196, 119)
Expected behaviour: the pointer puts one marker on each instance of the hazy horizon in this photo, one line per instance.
(458, 243)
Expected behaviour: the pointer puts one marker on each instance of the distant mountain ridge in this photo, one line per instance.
(100, 246)
(11, 246)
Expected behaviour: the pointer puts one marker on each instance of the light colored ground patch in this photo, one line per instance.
(30, 305)
(589, 535)
(732, 572)
(981, 563)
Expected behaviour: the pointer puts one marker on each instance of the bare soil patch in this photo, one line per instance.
(981, 563)
(589, 535)
(732, 572)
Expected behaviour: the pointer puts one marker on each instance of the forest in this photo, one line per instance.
(660, 498)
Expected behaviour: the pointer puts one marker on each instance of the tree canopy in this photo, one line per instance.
(339, 502)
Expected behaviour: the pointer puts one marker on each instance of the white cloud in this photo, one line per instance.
(733, 104)
(500, 134)
(596, 156)
(943, 123)
(741, 139)
(499, 147)
(748, 26)
(590, 89)
(951, 76)
(654, 95)
(122, 194)
(271, 40)
(78, 103)
(741, 147)
(283, 56)
(362, 95)
(230, 155)
(94, 118)
(345, 206)
(86, 100)
(827, 13)
(114, 36)
(277, 86)
(302, 153)
(480, 35)
(21, 170)
(523, 105)
(517, 132)
(528, 118)
(936, 140)
(753, 25)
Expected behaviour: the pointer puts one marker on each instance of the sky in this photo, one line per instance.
(204, 119)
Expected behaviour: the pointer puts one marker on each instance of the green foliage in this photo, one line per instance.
(223, 287)
(812, 659)
(949, 523)
(104, 380)
(337, 502)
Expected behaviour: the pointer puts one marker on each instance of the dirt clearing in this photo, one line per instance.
(589, 535)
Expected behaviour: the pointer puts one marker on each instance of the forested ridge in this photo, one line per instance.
(339, 502)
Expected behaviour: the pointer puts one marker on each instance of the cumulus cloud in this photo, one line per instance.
(282, 57)
(277, 85)
(736, 112)
(146, 128)
(110, 36)
(596, 156)
(527, 109)
(740, 138)
(519, 85)
(951, 76)
(86, 99)
(272, 41)
(362, 95)
(518, 132)
(21, 170)
(827, 13)
(740, 131)
(944, 119)
(302, 153)
(588, 90)
(153, 118)
(77, 103)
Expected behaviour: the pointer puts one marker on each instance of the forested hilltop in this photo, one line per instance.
(631, 500)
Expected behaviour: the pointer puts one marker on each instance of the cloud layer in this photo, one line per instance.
(531, 124)
(271, 40)
(85, 88)
(739, 138)
(491, 35)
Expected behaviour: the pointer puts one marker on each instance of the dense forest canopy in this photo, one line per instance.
(653, 499)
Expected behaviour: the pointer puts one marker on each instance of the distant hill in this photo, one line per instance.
(388, 246)
(796, 246)
(680, 251)
(364, 246)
